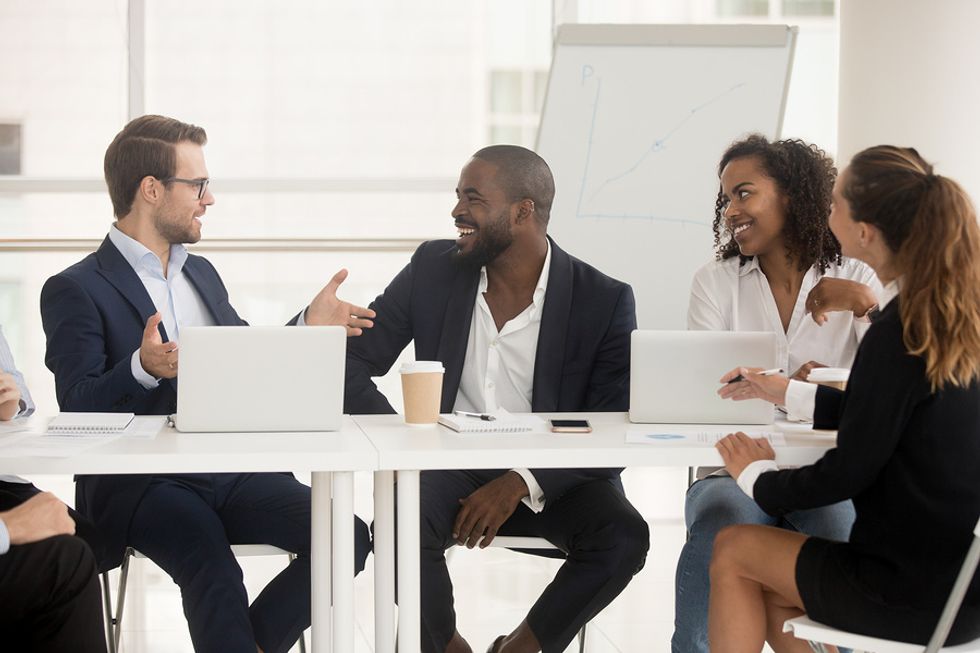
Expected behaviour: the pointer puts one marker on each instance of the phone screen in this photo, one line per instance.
(570, 426)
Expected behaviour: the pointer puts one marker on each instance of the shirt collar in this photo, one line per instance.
(539, 290)
(751, 265)
(140, 257)
(890, 291)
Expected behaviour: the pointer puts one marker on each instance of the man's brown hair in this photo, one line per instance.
(144, 148)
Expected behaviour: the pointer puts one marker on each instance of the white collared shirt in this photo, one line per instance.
(729, 297)
(173, 295)
(498, 371)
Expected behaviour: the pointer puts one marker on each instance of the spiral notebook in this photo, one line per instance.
(504, 423)
(89, 423)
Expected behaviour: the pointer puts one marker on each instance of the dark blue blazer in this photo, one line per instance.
(583, 355)
(93, 315)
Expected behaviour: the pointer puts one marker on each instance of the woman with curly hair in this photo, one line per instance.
(776, 262)
(908, 439)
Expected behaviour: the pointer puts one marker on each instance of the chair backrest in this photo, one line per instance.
(955, 599)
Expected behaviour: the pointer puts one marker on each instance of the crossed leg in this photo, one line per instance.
(753, 590)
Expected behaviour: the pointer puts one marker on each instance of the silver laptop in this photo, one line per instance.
(261, 378)
(674, 376)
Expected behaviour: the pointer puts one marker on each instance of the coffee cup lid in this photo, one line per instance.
(420, 367)
(828, 374)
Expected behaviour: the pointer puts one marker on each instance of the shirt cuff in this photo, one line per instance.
(535, 498)
(142, 377)
(801, 397)
(746, 480)
(4, 538)
(301, 320)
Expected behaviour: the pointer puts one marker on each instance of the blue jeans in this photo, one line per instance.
(712, 504)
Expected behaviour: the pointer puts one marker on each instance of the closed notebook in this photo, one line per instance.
(504, 423)
(89, 423)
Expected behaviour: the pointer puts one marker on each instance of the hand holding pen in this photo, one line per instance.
(752, 383)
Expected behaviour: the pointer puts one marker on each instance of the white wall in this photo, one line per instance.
(908, 76)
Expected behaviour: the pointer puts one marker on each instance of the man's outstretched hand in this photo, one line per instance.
(327, 309)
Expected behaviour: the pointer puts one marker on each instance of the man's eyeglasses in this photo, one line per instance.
(202, 184)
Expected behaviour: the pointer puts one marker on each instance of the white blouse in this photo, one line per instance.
(728, 297)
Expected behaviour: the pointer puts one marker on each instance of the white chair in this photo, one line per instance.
(819, 636)
(113, 622)
(530, 544)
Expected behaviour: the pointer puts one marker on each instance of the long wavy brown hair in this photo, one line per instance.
(930, 226)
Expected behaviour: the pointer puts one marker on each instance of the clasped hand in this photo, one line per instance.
(9, 396)
(483, 512)
(739, 450)
(831, 295)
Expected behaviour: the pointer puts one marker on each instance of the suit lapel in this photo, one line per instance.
(550, 357)
(117, 271)
(455, 334)
(209, 289)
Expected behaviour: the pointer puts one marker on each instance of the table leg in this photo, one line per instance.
(320, 562)
(343, 561)
(409, 591)
(384, 562)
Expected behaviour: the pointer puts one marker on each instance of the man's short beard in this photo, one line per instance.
(491, 242)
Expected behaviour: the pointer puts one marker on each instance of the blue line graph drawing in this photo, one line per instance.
(659, 144)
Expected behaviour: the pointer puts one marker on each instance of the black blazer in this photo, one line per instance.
(93, 315)
(583, 354)
(908, 457)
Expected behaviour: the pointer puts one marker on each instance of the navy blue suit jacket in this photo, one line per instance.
(94, 314)
(583, 354)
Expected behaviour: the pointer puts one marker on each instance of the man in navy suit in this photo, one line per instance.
(521, 325)
(113, 325)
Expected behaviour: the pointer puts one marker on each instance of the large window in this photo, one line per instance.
(337, 130)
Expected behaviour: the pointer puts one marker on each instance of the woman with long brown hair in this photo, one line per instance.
(908, 445)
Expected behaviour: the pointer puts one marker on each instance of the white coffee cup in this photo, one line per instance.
(422, 391)
(835, 377)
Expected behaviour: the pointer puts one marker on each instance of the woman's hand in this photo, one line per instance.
(739, 450)
(831, 295)
(753, 385)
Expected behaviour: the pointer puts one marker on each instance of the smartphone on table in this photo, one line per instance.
(570, 426)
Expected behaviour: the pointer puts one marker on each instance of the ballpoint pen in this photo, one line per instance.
(484, 416)
(775, 370)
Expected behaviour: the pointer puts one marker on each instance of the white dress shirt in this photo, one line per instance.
(729, 297)
(498, 371)
(173, 295)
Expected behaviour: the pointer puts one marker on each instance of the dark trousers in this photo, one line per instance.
(186, 524)
(14, 494)
(49, 592)
(604, 537)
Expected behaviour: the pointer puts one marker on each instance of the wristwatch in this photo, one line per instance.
(871, 314)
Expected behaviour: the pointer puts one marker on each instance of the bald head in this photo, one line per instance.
(522, 174)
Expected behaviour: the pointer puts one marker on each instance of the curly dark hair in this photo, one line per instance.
(805, 174)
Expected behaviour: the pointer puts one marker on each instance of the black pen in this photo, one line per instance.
(484, 416)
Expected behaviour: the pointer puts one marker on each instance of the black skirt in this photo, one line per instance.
(827, 581)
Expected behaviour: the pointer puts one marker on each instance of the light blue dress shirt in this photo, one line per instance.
(173, 295)
(26, 408)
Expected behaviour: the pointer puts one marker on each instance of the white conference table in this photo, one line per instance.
(332, 457)
(405, 450)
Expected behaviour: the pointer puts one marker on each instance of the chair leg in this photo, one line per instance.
(581, 638)
(121, 599)
(107, 608)
(302, 643)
